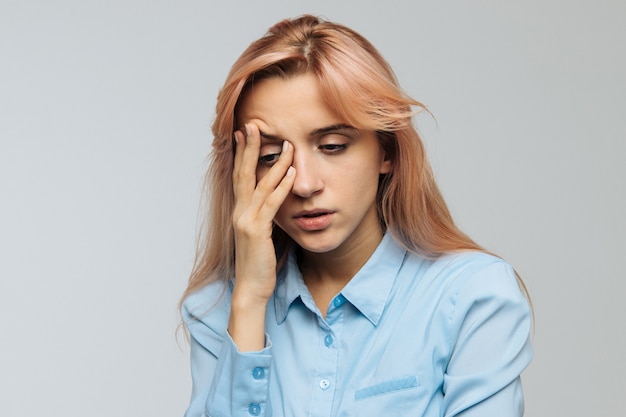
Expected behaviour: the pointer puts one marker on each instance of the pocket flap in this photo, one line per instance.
(387, 387)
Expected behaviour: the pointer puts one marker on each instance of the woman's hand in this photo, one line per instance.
(256, 204)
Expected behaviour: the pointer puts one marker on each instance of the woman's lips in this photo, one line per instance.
(313, 220)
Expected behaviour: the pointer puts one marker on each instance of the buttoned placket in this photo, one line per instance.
(325, 382)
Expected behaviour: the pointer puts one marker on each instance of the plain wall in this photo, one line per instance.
(105, 113)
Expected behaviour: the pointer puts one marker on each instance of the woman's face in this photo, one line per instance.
(332, 205)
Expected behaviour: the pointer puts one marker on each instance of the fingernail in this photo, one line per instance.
(247, 129)
(285, 145)
(289, 172)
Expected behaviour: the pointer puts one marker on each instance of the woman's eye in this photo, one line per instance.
(333, 147)
(269, 159)
(269, 154)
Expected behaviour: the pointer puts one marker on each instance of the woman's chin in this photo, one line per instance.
(317, 243)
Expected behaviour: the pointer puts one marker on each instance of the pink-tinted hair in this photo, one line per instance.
(360, 86)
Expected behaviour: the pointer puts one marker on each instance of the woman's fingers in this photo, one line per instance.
(280, 193)
(273, 177)
(272, 190)
(259, 200)
(250, 154)
(246, 159)
(239, 139)
(256, 205)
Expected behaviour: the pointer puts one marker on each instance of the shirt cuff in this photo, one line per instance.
(240, 385)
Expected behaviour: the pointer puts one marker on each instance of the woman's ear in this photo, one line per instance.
(388, 144)
(385, 166)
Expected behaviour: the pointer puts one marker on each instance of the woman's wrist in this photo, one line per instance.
(246, 325)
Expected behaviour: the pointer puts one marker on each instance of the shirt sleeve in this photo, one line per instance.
(490, 338)
(240, 385)
(226, 382)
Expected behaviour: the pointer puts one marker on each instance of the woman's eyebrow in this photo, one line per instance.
(271, 138)
(333, 128)
(315, 133)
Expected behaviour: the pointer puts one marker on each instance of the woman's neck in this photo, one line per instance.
(331, 271)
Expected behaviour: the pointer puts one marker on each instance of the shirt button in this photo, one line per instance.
(325, 384)
(254, 409)
(258, 373)
(339, 300)
(328, 340)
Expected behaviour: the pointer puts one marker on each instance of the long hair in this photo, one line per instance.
(361, 88)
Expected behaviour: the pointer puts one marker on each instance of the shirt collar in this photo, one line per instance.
(289, 286)
(368, 290)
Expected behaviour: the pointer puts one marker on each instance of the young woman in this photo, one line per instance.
(331, 280)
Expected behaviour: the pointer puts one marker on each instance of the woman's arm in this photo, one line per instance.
(256, 203)
(231, 367)
(490, 337)
(226, 382)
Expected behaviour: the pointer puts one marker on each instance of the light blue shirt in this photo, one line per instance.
(407, 336)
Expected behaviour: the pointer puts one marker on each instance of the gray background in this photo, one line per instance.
(105, 108)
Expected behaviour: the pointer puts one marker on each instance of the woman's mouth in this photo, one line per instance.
(313, 220)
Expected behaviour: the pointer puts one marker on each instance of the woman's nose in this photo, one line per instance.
(308, 181)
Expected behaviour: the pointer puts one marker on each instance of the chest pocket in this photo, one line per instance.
(387, 387)
(397, 397)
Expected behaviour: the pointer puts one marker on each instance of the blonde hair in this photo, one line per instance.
(360, 86)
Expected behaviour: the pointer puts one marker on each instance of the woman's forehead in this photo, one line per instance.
(285, 103)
